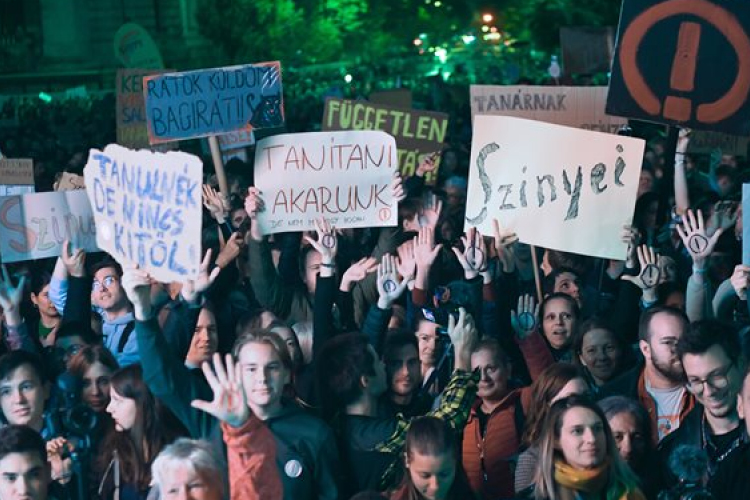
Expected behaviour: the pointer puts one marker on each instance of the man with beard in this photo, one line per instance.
(404, 373)
(710, 355)
(658, 383)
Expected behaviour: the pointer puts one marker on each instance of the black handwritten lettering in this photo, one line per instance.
(575, 193)
(505, 188)
(540, 188)
(597, 177)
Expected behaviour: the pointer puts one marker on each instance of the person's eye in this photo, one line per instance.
(27, 386)
(576, 431)
(424, 475)
(4, 392)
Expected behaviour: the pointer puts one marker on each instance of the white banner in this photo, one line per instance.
(148, 209)
(342, 176)
(34, 226)
(556, 187)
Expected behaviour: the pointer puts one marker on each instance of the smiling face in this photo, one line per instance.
(582, 440)
(493, 381)
(432, 475)
(600, 354)
(558, 322)
(718, 379)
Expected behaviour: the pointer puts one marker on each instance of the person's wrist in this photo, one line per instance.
(384, 304)
(346, 285)
(142, 312)
(649, 295)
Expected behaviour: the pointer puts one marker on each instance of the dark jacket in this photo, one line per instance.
(731, 480)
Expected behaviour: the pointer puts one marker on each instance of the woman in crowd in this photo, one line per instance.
(94, 366)
(259, 423)
(631, 429)
(559, 314)
(598, 351)
(188, 470)
(556, 382)
(578, 456)
(433, 469)
(126, 453)
(49, 318)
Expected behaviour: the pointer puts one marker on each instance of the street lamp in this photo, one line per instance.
(487, 17)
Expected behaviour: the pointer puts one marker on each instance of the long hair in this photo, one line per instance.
(272, 339)
(543, 391)
(432, 436)
(620, 478)
(87, 357)
(139, 446)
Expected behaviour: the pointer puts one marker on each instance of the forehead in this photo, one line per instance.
(705, 362)
(483, 356)
(598, 336)
(97, 370)
(104, 272)
(179, 472)
(565, 277)
(558, 305)
(404, 351)
(623, 422)
(427, 327)
(20, 374)
(580, 416)
(258, 353)
(313, 258)
(430, 463)
(206, 317)
(20, 462)
(284, 332)
(665, 325)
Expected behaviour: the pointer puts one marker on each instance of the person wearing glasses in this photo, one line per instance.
(710, 354)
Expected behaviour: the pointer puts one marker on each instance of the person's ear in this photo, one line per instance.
(34, 298)
(364, 381)
(740, 407)
(580, 358)
(645, 349)
(406, 460)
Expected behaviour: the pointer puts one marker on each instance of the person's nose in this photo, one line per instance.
(626, 447)
(19, 396)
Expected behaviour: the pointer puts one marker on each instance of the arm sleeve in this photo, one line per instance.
(78, 305)
(724, 300)
(536, 354)
(325, 293)
(58, 293)
(698, 304)
(376, 326)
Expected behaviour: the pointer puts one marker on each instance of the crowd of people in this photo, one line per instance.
(418, 362)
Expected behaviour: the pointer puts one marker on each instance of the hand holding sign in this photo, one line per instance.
(357, 272)
(390, 287)
(253, 205)
(525, 319)
(11, 297)
(740, 280)
(473, 259)
(693, 234)
(191, 289)
(137, 285)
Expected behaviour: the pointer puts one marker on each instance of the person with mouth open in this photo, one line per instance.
(579, 457)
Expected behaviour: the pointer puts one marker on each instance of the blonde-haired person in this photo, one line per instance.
(188, 470)
(578, 457)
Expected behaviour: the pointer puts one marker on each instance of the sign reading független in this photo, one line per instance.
(557, 187)
(345, 177)
(148, 209)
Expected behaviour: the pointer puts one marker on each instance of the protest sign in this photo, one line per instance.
(135, 48)
(132, 131)
(213, 101)
(148, 209)
(417, 132)
(586, 50)
(683, 62)
(6, 190)
(556, 187)
(580, 107)
(69, 182)
(17, 172)
(342, 176)
(236, 140)
(705, 142)
(34, 226)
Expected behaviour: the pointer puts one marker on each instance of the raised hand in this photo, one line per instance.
(357, 272)
(11, 298)
(407, 263)
(137, 285)
(740, 280)
(229, 403)
(232, 249)
(473, 258)
(390, 287)
(253, 205)
(724, 217)
(525, 319)
(464, 336)
(191, 289)
(650, 274)
(327, 244)
(503, 241)
(397, 188)
(425, 250)
(216, 203)
(431, 209)
(428, 164)
(74, 261)
(62, 468)
(694, 237)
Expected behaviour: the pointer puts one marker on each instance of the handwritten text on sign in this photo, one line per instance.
(417, 132)
(148, 209)
(213, 101)
(34, 226)
(342, 176)
(573, 194)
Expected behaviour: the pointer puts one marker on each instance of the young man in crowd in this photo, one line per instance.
(24, 391)
(402, 366)
(710, 354)
(24, 471)
(658, 384)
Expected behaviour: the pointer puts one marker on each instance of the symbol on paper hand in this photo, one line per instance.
(390, 286)
(650, 275)
(328, 241)
(475, 258)
(698, 243)
(526, 321)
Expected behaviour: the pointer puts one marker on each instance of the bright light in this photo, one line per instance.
(485, 28)
(487, 18)
(417, 42)
(438, 3)
(44, 96)
(493, 29)
(422, 36)
(348, 78)
(492, 36)
(441, 54)
(468, 39)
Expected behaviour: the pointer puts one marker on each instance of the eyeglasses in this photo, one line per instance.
(106, 282)
(718, 381)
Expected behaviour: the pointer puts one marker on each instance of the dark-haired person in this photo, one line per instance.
(657, 383)
(432, 462)
(49, 318)
(599, 351)
(351, 379)
(710, 354)
(402, 368)
(558, 315)
(730, 479)
(24, 390)
(24, 471)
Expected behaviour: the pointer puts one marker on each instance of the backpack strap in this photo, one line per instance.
(125, 336)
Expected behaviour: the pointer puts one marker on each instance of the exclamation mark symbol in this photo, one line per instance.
(683, 72)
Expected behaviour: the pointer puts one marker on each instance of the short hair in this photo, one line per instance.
(494, 347)
(593, 323)
(267, 337)
(15, 359)
(615, 405)
(578, 264)
(22, 439)
(703, 335)
(106, 262)
(397, 340)
(644, 324)
(551, 279)
(191, 453)
(341, 364)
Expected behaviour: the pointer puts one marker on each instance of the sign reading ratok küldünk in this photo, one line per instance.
(148, 209)
(342, 176)
(556, 187)
(213, 101)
